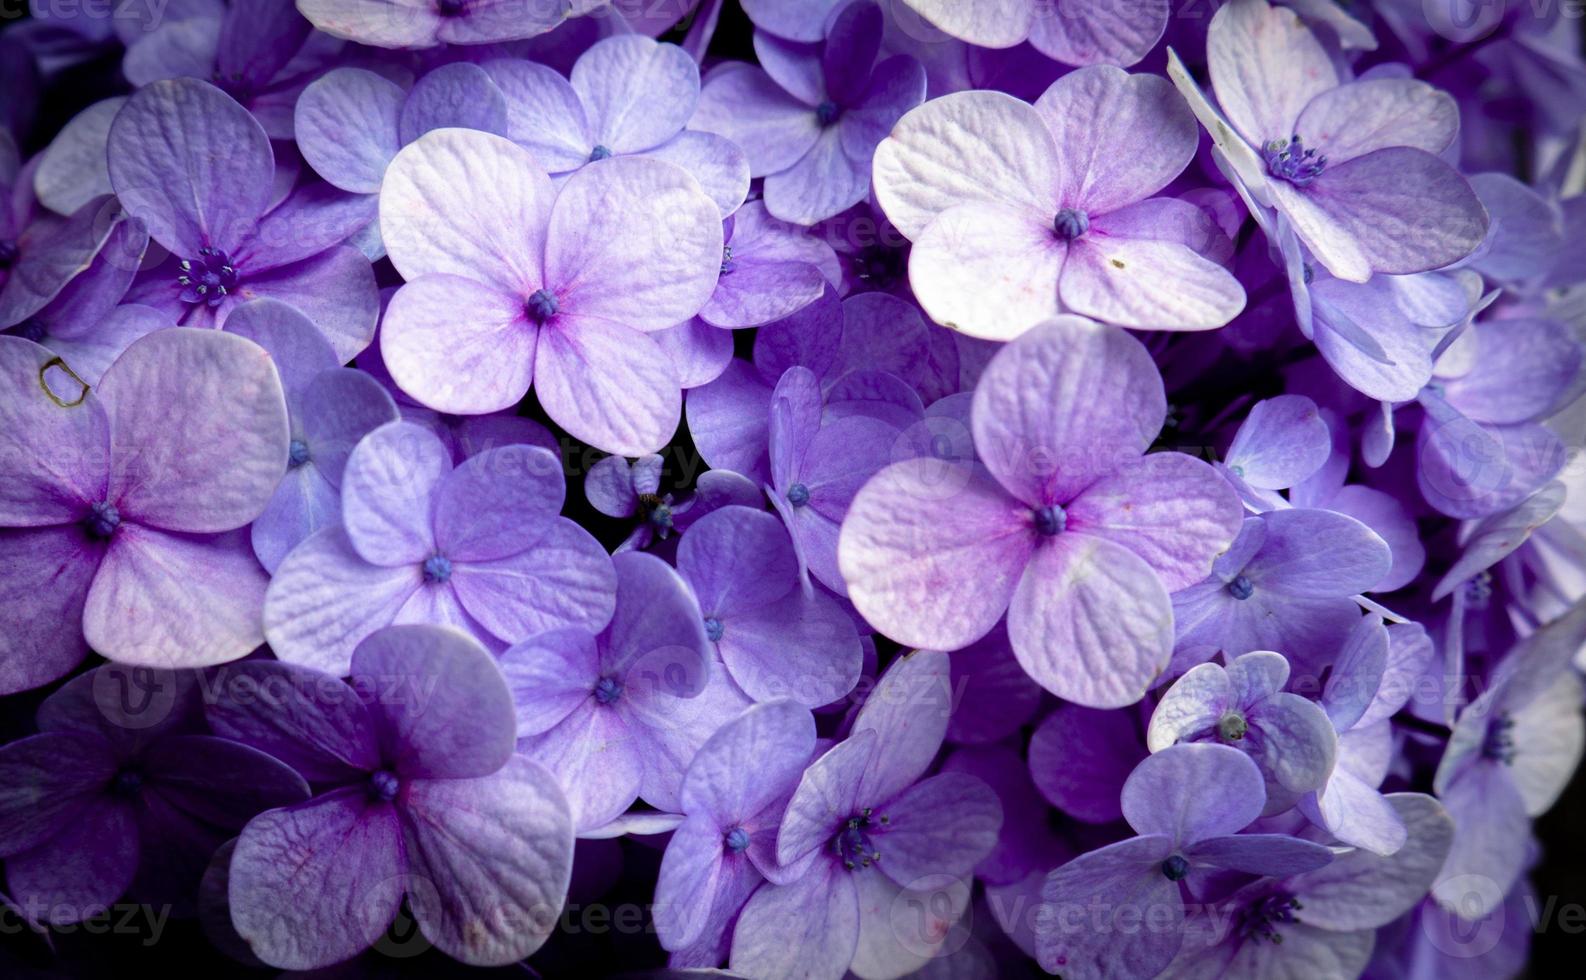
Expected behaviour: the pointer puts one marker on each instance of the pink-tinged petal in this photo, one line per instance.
(773, 129)
(562, 579)
(692, 870)
(1359, 117)
(1403, 209)
(1124, 881)
(637, 93)
(1148, 283)
(1080, 757)
(143, 609)
(823, 183)
(607, 385)
(1120, 137)
(335, 288)
(1064, 405)
(1190, 792)
(346, 126)
(988, 270)
(698, 351)
(81, 870)
(923, 579)
(324, 599)
(544, 113)
(41, 636)
(48, 779)
(943, 824)
(1266, 67)
(1091, 622)
(1109, 34)
(966, 147)
(596, 758)
(465, 203)
(550, 674)
(778, 737)
(200, 430)
(908, 710)
(1171, 509)
(318, 883)
(192, 164)
(459, 346)
(827, 795)
(497, 503)
(459, 95)
(1282, 441)
(54, 436)
(994, 24)
(809, 928)
(632, 241)
(445, 710)
(497, 852)
(389, 488)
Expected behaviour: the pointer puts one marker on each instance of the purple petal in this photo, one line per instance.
(457, 95)
(497, 503)
(562, 579)
(607, 385)
(389, 489)
(1120, 35)
(1126, 882)
(807, 928)
(346, 123)
(636, 92)
(1190, 792)
(944, 824)
(304, 717)
(1080, 757)
(749, 763)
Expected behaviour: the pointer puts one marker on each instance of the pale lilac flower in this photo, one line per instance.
(427, 23)
(1119, 33)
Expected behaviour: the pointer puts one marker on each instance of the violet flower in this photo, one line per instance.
(1018, 213)
(478, 547)
(124, 496)
(427, 23)
(420, 797)
(1066, 527)
(1082, 34)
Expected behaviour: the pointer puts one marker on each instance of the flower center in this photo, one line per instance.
(607, 690)
(541, 306)
(657, 511)
(736, 840)
(599, 153)
(126, 782)
(1175, 868)
(713, 629)
(102, 520)
(1240, 588)
(384, 785)
(1291, 161)
(852, 843)
(1478, 592)
(798, 495)
(208, 279)
(1232, 727)
(297, 453)
(1499, 744)
(726, 259)
(1261, 920)
(1050, 520)
(1070, 223)
(437, 569)
(827, 112)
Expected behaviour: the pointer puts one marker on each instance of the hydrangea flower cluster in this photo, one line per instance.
(798, 488)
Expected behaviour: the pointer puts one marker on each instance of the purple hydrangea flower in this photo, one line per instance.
(1320, 922)
(1245, 706)
(733, 798)
(511, 281)
(869, 833)
(329, 408)
(427, 23)
(1351, 165)
(1078, 34)
(478, 546)
(1018, 213)
(126, 496)
(421, 798)
(123, 789)
(1187, 804)
(1065, 526)
(1080, 758)
(775, 639)
(810, 116)
(1286, 583)
(618, 715)
(628, 95)
(196, 169)
(617, 488)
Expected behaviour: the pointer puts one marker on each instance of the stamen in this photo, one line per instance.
(1050, 521)
(736, 840)
(437, 569)
(798, 495)
(607, 690)
(1175, 868)
(726, 259)
(1070, 223)
(1232, 727)
(827, 112)
(102, 520)
(713, 629)
(208, 279)
(1241, 588)
(1499, 745)
(657, 510)
(297, 454)
(1261, 919)
(541, 306)
(451, 8)
(599, 153)
(127, 782)
(852, 843)
(1290, 161)
(384, 785)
